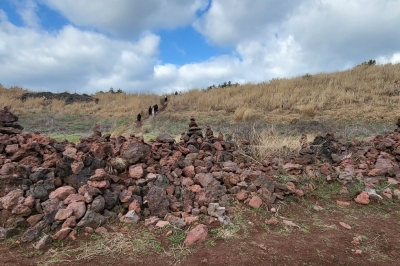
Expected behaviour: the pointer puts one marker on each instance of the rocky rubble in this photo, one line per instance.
(58, 187)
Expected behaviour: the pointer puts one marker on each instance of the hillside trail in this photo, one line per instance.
(139, 124)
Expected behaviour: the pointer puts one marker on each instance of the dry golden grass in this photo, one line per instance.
(368, 93)
(365, 92)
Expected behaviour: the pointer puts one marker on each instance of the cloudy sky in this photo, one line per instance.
(163, 46)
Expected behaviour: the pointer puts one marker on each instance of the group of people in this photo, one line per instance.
(153, 110)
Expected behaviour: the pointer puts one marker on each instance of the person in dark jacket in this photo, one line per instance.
(139, 117)
(150, 110)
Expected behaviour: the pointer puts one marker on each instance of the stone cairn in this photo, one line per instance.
(59, 187)
(7, 122)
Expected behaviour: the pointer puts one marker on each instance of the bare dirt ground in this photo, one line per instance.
(372, 237)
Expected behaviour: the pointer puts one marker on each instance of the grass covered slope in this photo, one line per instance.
(365, 96)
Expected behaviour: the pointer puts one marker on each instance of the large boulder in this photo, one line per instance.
(137, 152)
(158, 201)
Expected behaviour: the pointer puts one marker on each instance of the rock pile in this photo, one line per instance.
(7, 122)
(50, 186)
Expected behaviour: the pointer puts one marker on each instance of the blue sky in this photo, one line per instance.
(160, 46)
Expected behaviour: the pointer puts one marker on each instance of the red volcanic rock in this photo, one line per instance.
(362, 198)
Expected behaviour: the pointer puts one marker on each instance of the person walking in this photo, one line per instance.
(150, 111)
(165, 99)
(139, 117)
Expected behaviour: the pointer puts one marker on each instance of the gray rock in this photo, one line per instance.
(137, 152)
(36, 176)
(33, 232)
(111, 216)
(215, 192)
(161, 181)
(178, 222)
(92, 219)
(80, 179)
(130, 217)
(8, 232)
(165, 138)
(158, 201)
(98, 204)
(203, 179)
(43, 242)
(50, 217)
(38, 191)
(110, 198)
(215, 210)
(225, 220)
(51, 205)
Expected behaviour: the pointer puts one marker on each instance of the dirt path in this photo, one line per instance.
(138, 125)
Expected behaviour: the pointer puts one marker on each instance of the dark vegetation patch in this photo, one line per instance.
(69, 98)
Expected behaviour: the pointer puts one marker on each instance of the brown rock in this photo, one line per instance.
(151, 221)
(99, 175)
(70, 152)
(299, 192)
(136, 171)
(396, 192)
(76, 167)
(63, 214)
(62, 234)
(69, 222)
(272, 221)
(345, 225)
(362, 198)
(11, 149)
(188, 171)
(291, 187)
(101, 230)
(344, 190)
(242, 195)
(187, 182)
(125, 195)
(34, 219)
(135, 205)
(11, 200)
(196, 235)
(29, 201)
(72, 198)
(162, 224)
(72, 235)
(325, 169)
(89, 230)
(255, 202)
(21, 210)
(99, 184)
(343, 203)
(78, 208)
(191, 219)
(62, 193)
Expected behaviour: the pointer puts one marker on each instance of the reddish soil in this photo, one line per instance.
(319, 239)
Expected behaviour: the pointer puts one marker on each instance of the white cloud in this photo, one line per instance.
(328, 35)
(27, 10)
(127, 18)
(230, 22)
(73, 59)
(268, 39)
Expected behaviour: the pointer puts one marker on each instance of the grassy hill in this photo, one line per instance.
(352, 103)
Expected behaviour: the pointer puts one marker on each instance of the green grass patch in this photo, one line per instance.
(71, 137)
